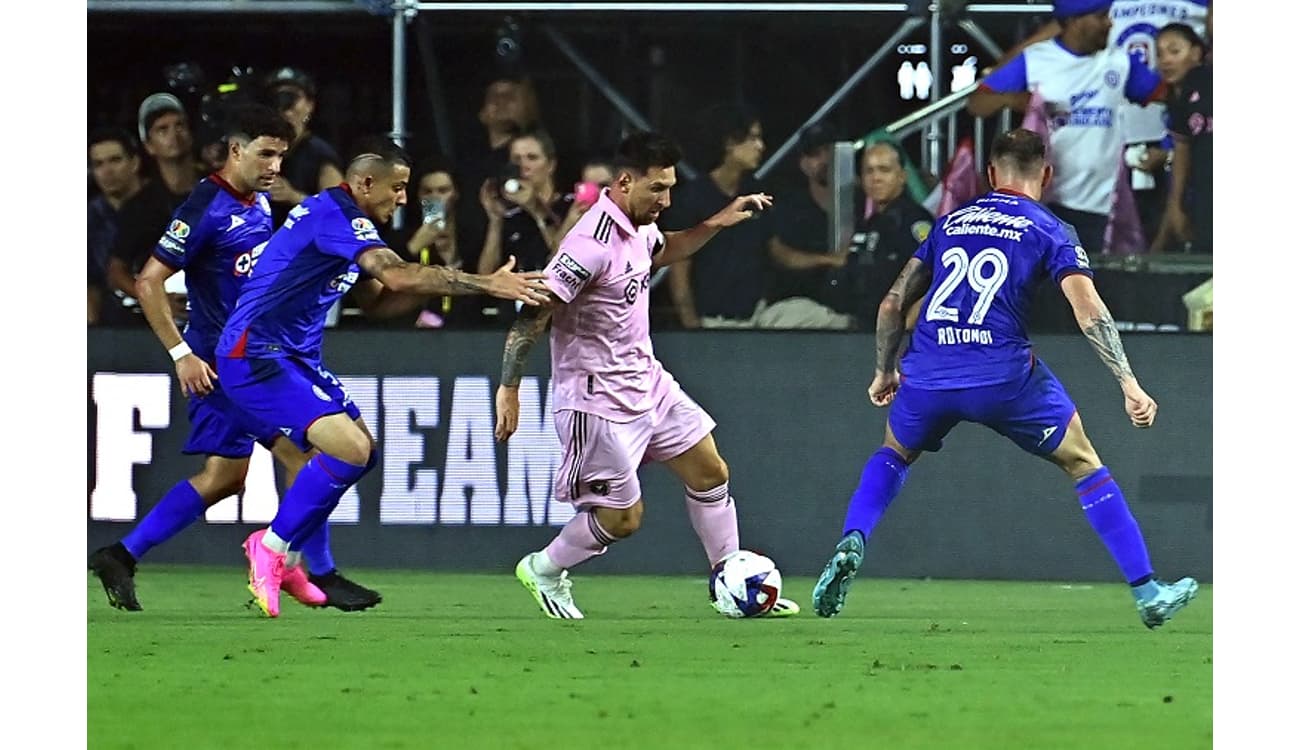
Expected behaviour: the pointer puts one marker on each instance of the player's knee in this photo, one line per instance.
(713, 474)
(621, 522)
(356, 450)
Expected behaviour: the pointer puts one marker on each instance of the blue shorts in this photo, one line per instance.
(284, 392)
(219, 428)
(1032, 412)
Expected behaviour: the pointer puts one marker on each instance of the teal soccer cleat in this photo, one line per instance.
(833, 585)
(1171, 598)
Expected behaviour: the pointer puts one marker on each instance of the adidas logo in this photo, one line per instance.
(629, 268)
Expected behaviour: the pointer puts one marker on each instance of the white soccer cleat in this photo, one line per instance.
(553, 593)
(783, 608)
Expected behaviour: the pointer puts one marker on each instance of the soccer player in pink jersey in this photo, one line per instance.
(615, 404)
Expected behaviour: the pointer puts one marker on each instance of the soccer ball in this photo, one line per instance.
(744, 584)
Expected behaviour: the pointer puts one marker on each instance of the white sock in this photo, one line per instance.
(273, 542)
(292, 558)
(544, 566)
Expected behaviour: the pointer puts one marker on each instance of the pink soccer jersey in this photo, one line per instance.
(602, 361)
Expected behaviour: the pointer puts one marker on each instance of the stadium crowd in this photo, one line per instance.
(1132, 179)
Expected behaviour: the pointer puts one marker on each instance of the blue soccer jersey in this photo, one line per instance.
(214, 237)
(987, 258)
(304, 269)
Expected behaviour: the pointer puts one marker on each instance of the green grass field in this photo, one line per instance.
(468, 661)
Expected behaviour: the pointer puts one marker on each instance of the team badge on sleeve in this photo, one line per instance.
(1081, 256)
(921, 230)
(364, 229)
(178, 229)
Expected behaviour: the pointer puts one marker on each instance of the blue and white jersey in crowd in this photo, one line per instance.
(307, 266)
(987, 258)
(214, 237)
(1082, 94)
(1134, 25)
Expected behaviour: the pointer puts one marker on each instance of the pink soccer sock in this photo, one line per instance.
(581, 539)
(713, 516)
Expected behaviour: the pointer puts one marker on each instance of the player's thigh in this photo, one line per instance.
(290, 396)
(217, 427)
(1075, 455)
(599, 459)
(920, 419)
(1033, 413)
(683, 441)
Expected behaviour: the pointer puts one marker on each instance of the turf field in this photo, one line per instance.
(468, 661)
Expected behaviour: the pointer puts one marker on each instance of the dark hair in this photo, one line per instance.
(1023, 149)
(1188, 34)
(725, 124)
(644, 149)
(112, 133)
(381, 148)
(249, 121)
(433, 164)
(542, 137)
(892, 146)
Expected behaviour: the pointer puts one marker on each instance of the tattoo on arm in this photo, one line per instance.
(1104, 337)
(429, 279)
(527, 328)
(911, 284)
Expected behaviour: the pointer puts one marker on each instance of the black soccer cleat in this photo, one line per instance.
(116, 570)
(344, 594)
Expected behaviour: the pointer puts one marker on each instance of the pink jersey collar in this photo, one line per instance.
(607, 204)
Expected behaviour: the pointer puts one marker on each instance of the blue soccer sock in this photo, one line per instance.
(1104, 505)
(882, 478)
(316, 551)
(180, 507)
(314, 494)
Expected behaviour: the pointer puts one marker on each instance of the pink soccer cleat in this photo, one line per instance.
(297, 585)
(265, 573)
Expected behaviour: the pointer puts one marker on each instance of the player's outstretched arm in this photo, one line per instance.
(194, 374)
(527, 328)
(412, 278)
(892, 320)
(684, 244)
(1094, 319)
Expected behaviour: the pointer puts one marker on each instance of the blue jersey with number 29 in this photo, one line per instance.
(987, 258)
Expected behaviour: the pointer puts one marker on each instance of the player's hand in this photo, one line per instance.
(1141, 408)
(883, 387)
(507, 412)
(196, 376)
(740, 209)
(528, 287)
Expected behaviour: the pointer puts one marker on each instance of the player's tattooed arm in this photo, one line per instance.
(891, 319)
(1104, 337)
(1097, 325)
(527, 328)
(403, 276)
(399, 275)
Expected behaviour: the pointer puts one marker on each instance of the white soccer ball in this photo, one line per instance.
(744, 584)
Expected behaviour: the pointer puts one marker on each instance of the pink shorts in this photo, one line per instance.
(601, 457)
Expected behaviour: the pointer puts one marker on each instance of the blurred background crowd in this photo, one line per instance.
(511, 119)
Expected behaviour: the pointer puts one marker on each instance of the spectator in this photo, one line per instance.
(115, 169)
(312, 164)
(883, 242)
(1191, 120)
(1133, 29)
(1082, 81)
(524, 213)
(509, 108)
(596, 175)
(165, 132)
(435, 242)
(798, 282)
(721, 286)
